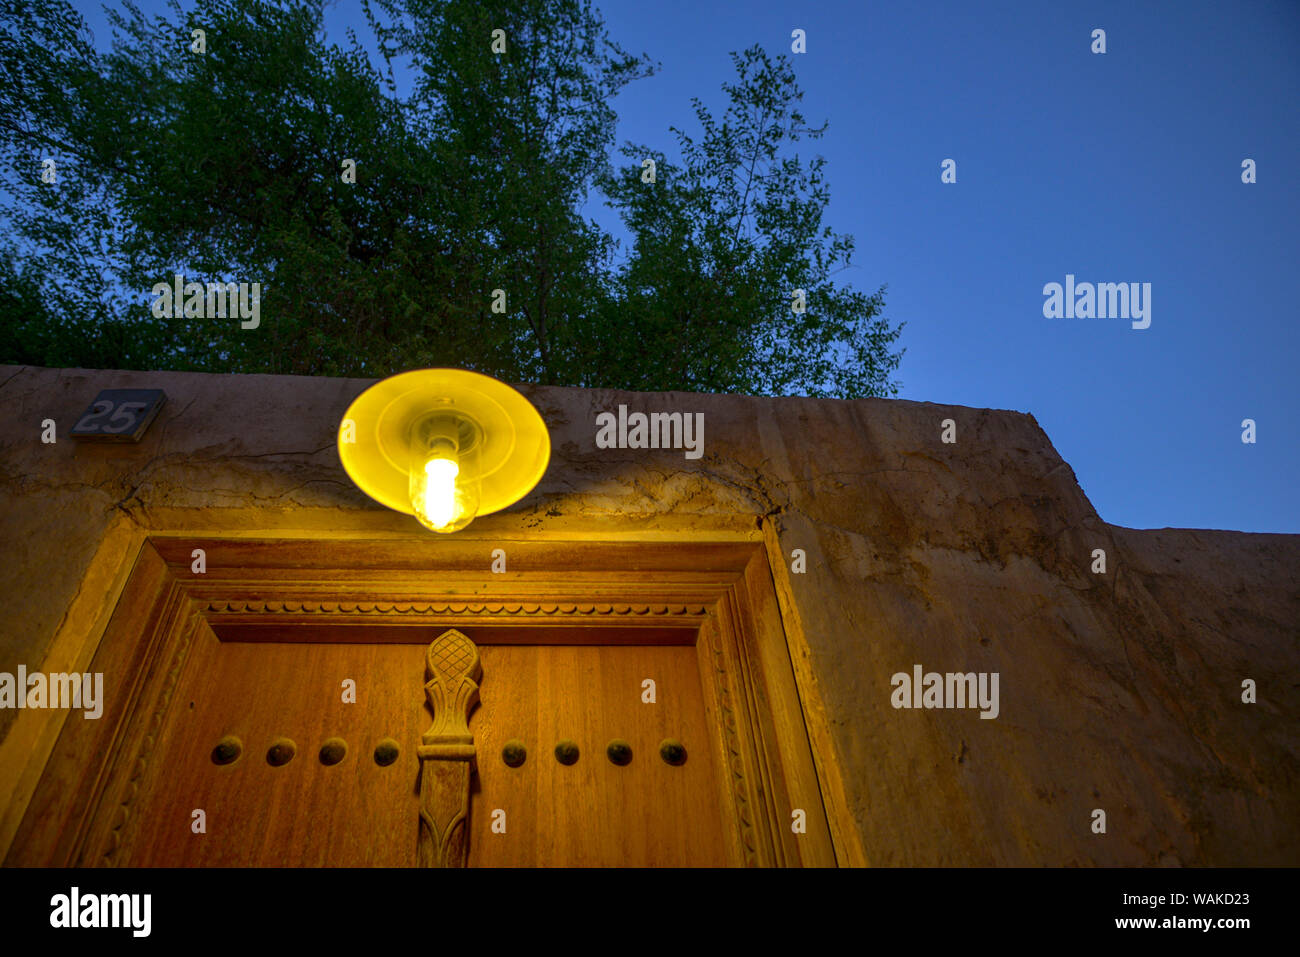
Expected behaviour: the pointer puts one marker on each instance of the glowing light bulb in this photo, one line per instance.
(440, 492)
(443, 471)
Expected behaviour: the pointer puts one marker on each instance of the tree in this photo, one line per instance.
(721, 242)
(226, 164)
(223, 161)
(519, 135)
(59, 232)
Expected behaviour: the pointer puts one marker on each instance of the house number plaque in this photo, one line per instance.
(119, 415)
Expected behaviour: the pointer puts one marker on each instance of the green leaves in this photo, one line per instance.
(720, 243)
(227, 165)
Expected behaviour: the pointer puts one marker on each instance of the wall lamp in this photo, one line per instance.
(444, 445)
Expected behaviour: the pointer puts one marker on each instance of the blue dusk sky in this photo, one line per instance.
(1117, 167)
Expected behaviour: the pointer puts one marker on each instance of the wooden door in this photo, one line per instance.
(304, 753)
(259, 647)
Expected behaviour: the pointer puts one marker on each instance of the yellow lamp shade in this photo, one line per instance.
(444, 445)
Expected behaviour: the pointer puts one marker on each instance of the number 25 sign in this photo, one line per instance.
(119, 415)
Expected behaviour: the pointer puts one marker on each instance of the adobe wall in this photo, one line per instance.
(1119, 691)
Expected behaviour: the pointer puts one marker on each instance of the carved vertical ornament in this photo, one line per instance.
(447, 750)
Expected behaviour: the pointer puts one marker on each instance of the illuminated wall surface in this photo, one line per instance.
(1149, 675)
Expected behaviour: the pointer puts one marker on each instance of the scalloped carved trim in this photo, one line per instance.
(392, 609)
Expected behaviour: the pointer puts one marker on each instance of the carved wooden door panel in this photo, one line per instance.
(595, 812)
(309, 753)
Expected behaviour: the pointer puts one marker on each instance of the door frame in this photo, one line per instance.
(720, 596)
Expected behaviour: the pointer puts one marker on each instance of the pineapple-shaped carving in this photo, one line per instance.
(453, 670)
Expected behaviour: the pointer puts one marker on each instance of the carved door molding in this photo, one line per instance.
(720, 597)
(447, 750)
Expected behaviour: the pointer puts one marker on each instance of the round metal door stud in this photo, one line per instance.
(514, 753)
(333, 751)
(281, 752)
(619, 751)
(386, 752)
(566, 752)
(672, 751)
(227, 751)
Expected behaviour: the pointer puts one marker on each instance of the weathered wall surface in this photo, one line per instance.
(1119, 691)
